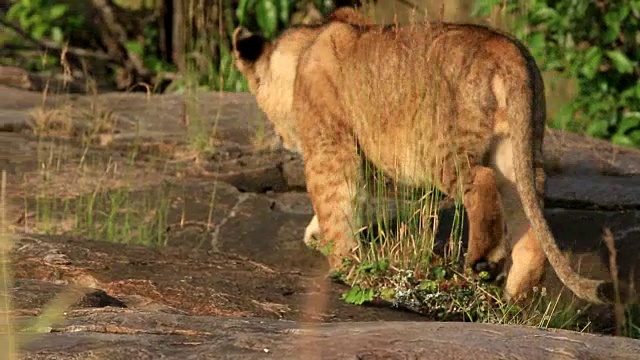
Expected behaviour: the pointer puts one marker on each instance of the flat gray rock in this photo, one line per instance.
(585, 191)
(138, 335)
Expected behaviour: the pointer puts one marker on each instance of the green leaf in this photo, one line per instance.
(554, 64)
(609, 36)
(439, 272)
(563, 118)
(621, 62)
(629, 121)
(232, 80)
(592, 59)
(241, 11)
(429, 286)
(614, 17)
(285, 10)
(635, 137)
(383, 266)
(57, 11)
(388, 294)
(14, 11)
(635, 8)
(623, 140)
(598, 128)
(39, 30)
(267, 17)
(134, 47)
(57, 35)
(543, 13)
(241, 85)
(357, 295)
(631, 94)
(484, 275)
(484, 7)
(25, 20)
(536, 40)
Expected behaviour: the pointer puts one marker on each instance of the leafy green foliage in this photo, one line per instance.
(41, 20)
(596, 43)
(208, 60)
(358, 296)
(44, 19)
(267, 17)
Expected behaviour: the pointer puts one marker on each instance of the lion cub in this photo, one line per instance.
(458, 106)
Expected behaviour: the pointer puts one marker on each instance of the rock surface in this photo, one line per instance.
(235, 280)
(139, 335)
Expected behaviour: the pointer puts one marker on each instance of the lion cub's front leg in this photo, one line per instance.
(332, 176)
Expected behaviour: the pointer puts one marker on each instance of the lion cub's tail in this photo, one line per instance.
(522, 103)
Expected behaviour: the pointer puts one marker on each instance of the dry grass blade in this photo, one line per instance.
(7, 336)
(57, 122)
(613, 265)
(54, 312)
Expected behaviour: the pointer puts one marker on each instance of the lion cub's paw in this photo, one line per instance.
(312, 233)
(488, 270)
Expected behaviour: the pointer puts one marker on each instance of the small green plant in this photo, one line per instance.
(103, 207)
(594, 43)
(119, 216)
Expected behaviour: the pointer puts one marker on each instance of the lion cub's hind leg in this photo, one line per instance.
(528, 258)
(477, 186)
(486, 248)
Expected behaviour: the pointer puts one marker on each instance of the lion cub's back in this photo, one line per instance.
(416, 94)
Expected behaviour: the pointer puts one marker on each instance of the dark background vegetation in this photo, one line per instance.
(589, 50)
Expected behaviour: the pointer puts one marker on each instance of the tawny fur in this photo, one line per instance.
(458, 106)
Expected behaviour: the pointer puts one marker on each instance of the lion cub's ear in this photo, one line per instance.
(247, 45)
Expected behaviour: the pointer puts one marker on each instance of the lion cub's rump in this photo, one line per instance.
(459, 106)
